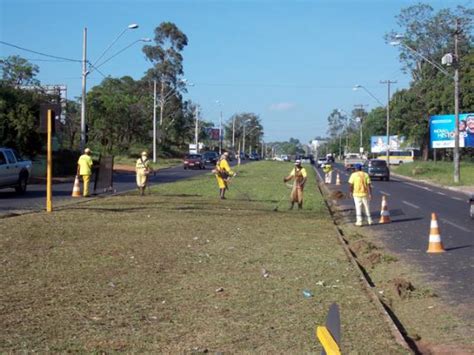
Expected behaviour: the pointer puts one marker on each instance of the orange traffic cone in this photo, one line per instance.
(384, 212)
(338, 179)
(435, 246)
(76, 190)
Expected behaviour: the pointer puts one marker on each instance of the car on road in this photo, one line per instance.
(254, 156)
(14, 170)
(353, 159)
(321, 161)
(193, 161)
(210, 158)
(377, 168)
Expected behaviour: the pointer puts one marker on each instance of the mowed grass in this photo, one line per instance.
(441, 172)
(179, 270)
(160, 162)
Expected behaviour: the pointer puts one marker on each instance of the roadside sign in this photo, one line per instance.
(442, 129)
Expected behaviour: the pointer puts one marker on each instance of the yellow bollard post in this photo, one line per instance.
(49, 169)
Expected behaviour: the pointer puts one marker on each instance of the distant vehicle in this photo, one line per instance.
(377, 168)
(321, 161)
(210, 158)
(193, 161)
(14, 170)
(285, 157)
(330, 158)
(254, 156)
(398, 157)
(352, 159)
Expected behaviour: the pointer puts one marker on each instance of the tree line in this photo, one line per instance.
(431, 34)
(119, 111)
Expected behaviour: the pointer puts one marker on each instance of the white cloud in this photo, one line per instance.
(282, 106)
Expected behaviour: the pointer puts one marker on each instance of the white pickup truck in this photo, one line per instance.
(14, 171)
(352, 159)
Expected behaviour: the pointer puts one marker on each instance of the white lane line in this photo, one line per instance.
(455, 225)
(384, 193)
(441, 193)
(417, 186)
(457, 198)
(411, 204)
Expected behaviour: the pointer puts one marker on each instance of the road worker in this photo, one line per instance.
(84, 169)
(223, 174)
(327, 169)
(143, 170)
(298, 173)
(361, 190)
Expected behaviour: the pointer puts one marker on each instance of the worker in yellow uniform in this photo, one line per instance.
(327, 169)
(223, 174)
(143, 170)
(300, 176)
(361, 190)
(84, 169)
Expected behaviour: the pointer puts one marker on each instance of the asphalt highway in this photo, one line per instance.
(410, 205)
(35, 197)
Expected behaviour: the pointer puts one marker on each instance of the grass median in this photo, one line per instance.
(179, 270)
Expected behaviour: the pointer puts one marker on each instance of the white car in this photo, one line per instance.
(14, 170)
(321, 162)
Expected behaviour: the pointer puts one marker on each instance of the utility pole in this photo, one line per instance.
(154, 121)
(243, 142)
(233, 134)
(196, 132)
(457, 172)
(220, 134)
(388, 82)
(162, 100)
(83, 101)
(361, 107)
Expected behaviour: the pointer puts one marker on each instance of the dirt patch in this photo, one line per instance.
(362, 246)
(401, 287)
(373, 259)
(337, 195)
(432, 349)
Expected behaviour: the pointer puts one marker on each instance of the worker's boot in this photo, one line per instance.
(300, 206)
(142, 191)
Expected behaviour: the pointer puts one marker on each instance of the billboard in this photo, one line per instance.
(379, 143)
(442, 130)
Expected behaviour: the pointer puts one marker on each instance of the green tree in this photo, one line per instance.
(17, 71)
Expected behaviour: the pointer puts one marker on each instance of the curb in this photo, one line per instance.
(427, 182)
(391, 321)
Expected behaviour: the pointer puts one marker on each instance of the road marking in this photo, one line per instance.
(455, 225)
(418, 186)
(410, 204)
(441, 193)
(384, 193)
(457, 198)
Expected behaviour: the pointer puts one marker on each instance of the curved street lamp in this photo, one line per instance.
(448, 59)
(85, 72)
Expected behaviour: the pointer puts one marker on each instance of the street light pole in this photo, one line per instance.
(83, 99)
(196, 132)
(154, 121)
(233, 134)
(220, 134)
(456, 155)
(388, 82)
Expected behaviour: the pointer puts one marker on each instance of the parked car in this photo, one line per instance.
(210, 158)
(254, 156)
(285, 157)
(377, 168)
(193, 161)
(14, 170)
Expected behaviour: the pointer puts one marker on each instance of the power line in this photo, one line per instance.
(39, 53)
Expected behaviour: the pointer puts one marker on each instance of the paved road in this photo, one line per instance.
(411, 205)
(35, 197)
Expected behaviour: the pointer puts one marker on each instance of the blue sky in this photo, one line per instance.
(290, 62)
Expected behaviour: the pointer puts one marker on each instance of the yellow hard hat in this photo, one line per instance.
(87, 150)
(144, 153)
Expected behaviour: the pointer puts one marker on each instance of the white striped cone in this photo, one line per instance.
(338, 179)
(76, 190)
(384, 212)
(435, 244)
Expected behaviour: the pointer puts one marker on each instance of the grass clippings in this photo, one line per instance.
(181, 271)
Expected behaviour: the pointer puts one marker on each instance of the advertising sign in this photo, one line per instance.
(378, 144)
(442, 130)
